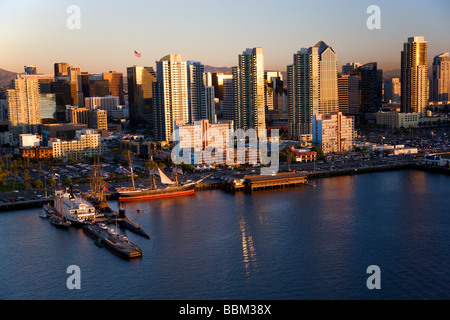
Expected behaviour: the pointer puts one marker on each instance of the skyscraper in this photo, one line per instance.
(248, 86)
(24, 109)
(312, 87)
(371, 88)
(61, 71)
(392, 90)
(440, 81)
(414, 76)
(171, 99)
(30, 69)
(140, 94)
(196, 91)
(115, 85)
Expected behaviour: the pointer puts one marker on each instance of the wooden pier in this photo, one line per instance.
(280, 180)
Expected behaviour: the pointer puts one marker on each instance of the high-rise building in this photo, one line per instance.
(414, 76)
(171, 98)
(440, 81)
(140, 94)
(371, 90)
(248, 86)
(350, 66)
(210, 104)
(61, 71)
(226, 104)
(333, 132)
(312, 87)
(115, 85)
(196, 91)
(74, 74)
(30, 69)
(392, 90)
(217, 81)
(24, 109)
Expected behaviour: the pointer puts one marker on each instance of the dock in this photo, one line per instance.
(27, 204)
(279, 180)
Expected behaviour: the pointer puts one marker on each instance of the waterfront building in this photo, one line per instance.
(333, 132)
(414, 76)
(202, 138)
(440, 80)
(23, 105)
(140, 94)
(171, 98)
(248, 91)
(397, 120)
(86, 144)
(312, 87)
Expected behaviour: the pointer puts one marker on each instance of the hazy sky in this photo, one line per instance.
(213, 32)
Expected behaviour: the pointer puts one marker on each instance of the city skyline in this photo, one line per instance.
(210, 33)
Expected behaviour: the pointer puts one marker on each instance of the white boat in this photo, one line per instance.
(77, 210)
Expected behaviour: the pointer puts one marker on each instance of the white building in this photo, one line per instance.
(29, 140)
(86, 144)
(333, 132)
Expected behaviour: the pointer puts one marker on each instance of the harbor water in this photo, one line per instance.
(285, 244)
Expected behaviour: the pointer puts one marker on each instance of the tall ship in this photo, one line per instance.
(57, 217)
(171, 189)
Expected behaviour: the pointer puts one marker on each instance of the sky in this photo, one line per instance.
(211, 31)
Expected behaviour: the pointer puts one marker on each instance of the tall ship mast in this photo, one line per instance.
(171, 189)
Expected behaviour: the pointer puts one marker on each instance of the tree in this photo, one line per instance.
(37, 184)
(68, 181)
(51, 182)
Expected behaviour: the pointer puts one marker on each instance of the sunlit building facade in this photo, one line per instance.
(140, 93)
(23, 104)
(414, 76)
(171, 99)
(312, 87)
(333, 132)
(248, 91)
(440, 83)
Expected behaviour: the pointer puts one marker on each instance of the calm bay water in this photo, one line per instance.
(300, 243)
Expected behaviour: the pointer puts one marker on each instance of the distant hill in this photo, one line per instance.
(6, 77)
(389, 74)
(213, 69)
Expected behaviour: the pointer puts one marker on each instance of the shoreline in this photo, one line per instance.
(228, 185)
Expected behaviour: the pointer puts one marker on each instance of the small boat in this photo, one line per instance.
(60, 223)
(43, 214)
(99, 243)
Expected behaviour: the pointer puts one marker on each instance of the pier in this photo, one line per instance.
(27, 204)
(280, 180)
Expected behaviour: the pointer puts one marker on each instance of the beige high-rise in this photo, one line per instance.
(24, 107)
(414, 76)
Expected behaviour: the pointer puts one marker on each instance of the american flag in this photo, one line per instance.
(137, 54)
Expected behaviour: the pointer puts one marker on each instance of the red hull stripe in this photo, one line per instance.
(157, 196)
